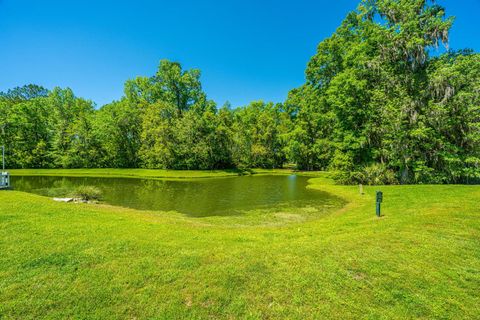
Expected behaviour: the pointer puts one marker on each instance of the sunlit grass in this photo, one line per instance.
(420, 260)
(145, 173)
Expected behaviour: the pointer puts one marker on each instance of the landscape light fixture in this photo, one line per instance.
(379, 202)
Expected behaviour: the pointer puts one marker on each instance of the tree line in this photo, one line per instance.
(378, 106)
(164, 121)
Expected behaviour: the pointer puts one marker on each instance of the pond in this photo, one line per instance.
(194, 197)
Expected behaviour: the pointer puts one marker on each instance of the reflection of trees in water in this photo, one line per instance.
(202, 197)
(152, 194)
(183, 196)
(64, 182)
(43, 185)
(20, 183)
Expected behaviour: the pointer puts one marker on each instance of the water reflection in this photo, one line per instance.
(200, 197)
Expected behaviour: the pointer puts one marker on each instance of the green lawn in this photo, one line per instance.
(144, 173)
(421, 260)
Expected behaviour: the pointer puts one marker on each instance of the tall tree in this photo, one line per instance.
(118, 129)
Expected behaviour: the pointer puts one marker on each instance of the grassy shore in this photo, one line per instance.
(144, 173)
(420, 260)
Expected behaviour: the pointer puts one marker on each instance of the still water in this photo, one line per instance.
(198, 197)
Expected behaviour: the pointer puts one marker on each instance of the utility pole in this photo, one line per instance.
(3, 158)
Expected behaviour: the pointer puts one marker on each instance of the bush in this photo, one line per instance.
(87, 193)
(374, 174)
(377, 174)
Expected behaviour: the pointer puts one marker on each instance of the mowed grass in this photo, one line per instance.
(144, 173)
(420, 260)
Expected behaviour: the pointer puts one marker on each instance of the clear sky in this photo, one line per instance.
(246, 49)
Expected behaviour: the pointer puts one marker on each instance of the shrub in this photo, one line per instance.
(377, 174)
(374, 174)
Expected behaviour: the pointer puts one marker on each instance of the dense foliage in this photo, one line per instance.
(377, 107)
(382, 107)
(164, 121)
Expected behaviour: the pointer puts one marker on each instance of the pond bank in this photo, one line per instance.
(149, 173)
(260, 194)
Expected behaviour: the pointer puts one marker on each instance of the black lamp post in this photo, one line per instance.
(379, 202)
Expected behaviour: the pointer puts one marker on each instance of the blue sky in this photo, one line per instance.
(247, 50)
